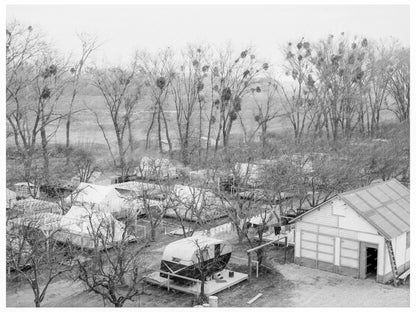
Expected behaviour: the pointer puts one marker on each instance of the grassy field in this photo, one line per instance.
(84, 128)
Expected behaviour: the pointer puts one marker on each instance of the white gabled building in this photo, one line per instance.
(351, 234)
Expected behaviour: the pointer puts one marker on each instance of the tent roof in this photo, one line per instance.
(92, 193)
(81, 214)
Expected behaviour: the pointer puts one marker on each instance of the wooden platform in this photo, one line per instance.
(211, 286)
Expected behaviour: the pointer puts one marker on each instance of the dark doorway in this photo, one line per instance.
(371, 266)
(217, 250)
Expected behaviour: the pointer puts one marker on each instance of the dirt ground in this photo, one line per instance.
(286, 285)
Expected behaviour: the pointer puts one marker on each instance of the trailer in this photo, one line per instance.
(193, 256)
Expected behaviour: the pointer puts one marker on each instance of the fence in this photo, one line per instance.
(230, 228)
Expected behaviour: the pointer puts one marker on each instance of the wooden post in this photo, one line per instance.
(249, 266)
(168, 281)
(285, 248)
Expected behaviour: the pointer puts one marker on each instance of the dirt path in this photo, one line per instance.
(316, 288)
(288, 285)
(292, 286)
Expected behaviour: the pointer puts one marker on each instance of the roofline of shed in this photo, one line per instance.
(314, 208)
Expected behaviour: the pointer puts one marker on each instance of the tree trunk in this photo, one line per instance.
(159, 132)
(150, 129)
(45, 153)
(260, 256)
(67, 144)
(153, 233)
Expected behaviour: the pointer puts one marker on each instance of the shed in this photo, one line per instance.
(363, 233)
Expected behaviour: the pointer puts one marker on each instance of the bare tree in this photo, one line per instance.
(204, 265)
(187, 87)
(190, 206)
(89, 45)
(231, 79)
(48, 87)
(151, 200)
(299, 95)
(158, 74)
(33, 87)
(121, 91)
(116, 267)
(266, 110)
(399, 84)
(36, 256)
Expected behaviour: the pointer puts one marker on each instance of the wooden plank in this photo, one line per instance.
(404, 275)
(255, 298)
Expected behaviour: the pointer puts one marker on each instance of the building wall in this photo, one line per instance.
(329, 239)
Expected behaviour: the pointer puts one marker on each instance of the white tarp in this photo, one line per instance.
(86, 222)
(103, 197)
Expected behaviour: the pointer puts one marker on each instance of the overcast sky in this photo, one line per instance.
(125, 28)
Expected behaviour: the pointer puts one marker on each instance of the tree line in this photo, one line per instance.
(331, 89)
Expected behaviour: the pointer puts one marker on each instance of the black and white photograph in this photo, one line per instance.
(207, 154)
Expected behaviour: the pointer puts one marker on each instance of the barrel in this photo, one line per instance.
(213, 301)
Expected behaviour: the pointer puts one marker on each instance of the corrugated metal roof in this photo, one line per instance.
(384, 205)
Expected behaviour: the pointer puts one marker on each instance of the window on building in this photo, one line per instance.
(407, 239)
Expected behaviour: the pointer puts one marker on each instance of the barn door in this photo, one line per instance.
(368, 259)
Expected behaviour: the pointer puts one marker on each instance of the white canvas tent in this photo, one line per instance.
(102, 197)
(84, 222)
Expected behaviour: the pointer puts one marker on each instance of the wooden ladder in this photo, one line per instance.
(392, 262)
